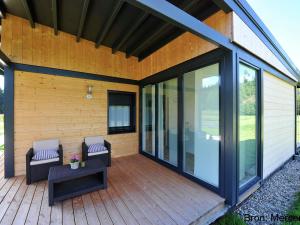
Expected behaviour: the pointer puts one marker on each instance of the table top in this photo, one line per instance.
(63, 173)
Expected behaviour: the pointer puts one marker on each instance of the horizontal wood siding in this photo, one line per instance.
(39, 46)
(279, 123)
(48, 106)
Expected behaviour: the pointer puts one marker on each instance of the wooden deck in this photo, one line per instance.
(140, 191)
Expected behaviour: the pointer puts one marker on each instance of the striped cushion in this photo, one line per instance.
(96, 148)
(45, 154)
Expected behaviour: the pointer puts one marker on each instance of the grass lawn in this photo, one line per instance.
(1, 132)
(230, 219)
(295, 211)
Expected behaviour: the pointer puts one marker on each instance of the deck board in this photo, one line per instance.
(140, 191)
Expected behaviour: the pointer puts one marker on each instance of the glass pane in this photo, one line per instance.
(201, 124)
(167, 121)
(149, 119)
(247, 124)
(298, 116)
(119, 116)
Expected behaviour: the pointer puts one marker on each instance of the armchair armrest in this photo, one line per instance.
(107, 145)
(84, 151)
(61, 154)
(29, 156)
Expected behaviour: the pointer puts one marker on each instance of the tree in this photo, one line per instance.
(1, 101)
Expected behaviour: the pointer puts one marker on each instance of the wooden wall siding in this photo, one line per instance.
(39, 46)
(279, 119)
(245, 37)
(186, 46)
(48, 106)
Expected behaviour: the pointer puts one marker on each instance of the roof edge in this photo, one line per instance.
(245, 8)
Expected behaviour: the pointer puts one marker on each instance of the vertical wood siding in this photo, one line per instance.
(39, 46)
(48, 106)
(279, 123)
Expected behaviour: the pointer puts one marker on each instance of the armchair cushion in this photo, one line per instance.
(97, 153)
(96, 148)
(45, 154)
(94, 140)
(39, 162)
(52, 144)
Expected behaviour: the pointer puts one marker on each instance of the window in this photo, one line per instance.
(201, 123)
(121, 112)
(247, 124)
(148, 94)
(167, 121)
(298, 116)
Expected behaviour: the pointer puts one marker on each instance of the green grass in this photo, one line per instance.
(230, 219)
(247, 125)
(295, 211)
(1, 133)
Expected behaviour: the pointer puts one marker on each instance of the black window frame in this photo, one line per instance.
(124, 129)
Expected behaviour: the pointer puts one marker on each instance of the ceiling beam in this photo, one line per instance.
(28, 12)
(202, 15)
(124, 38)
(109, 23)
(82, 19)
(144, 43)
(223, 6)
(179, 18)
(160, 43)
(54, 16)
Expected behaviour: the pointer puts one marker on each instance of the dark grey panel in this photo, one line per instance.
(42, 11)
(69, 12)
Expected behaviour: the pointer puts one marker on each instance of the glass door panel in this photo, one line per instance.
(167, 121)
(148, 126)
(201, 124)
(247, 124)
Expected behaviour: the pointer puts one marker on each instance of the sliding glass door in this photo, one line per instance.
(148, 123)
(247, 124)
(187, 125)
(167, 121)
(201, 124)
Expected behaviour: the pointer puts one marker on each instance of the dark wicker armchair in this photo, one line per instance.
(38, 170)
(104, 156)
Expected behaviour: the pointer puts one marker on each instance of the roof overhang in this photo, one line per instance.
(249, 17)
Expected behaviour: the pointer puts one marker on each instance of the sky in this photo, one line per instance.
(282, 17)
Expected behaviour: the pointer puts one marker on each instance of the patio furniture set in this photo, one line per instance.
(45, 161)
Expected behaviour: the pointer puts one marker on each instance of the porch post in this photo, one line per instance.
(9, 170)
(230, 166)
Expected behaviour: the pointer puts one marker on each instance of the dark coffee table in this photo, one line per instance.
(64, 183)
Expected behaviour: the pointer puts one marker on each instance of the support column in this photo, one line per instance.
(229, 103)
(9, 170)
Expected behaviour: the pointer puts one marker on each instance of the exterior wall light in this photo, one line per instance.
(89, 94)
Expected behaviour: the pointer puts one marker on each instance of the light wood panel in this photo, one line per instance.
(186, 46)
(39, 46)
(245, 37)
(140, 191)
(279, 123)
(48, 106)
